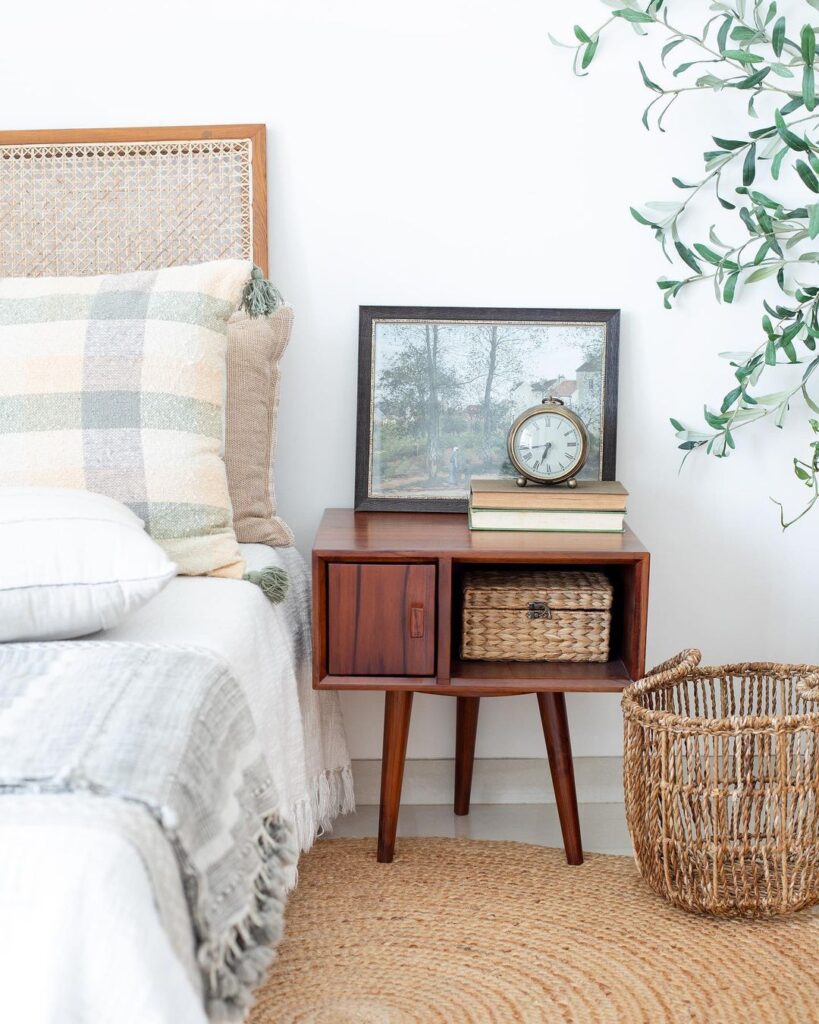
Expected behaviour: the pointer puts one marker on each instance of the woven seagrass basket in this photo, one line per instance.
(721, 775)
(536, 615)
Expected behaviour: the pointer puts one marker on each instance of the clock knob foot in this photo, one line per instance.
(572, 482)
(521, 481)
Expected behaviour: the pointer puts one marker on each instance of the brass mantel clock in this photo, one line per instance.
(548, 444)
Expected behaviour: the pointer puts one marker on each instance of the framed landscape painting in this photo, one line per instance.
(438, 389)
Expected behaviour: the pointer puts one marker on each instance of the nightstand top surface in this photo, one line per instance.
(347, 533)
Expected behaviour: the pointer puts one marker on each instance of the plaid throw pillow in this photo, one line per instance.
(116, 384)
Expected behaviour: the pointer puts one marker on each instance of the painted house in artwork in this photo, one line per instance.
(566, 391)
(535, 391)
(588, 383)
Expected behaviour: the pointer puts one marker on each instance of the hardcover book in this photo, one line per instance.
(535, 519)
(588, 496)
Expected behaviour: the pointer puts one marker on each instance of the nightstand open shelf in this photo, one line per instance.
(387, 592)
(533, 676)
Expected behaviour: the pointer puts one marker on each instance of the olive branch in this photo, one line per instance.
(748, 47)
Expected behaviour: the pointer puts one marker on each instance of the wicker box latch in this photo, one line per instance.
(539, 610)
(536, 615)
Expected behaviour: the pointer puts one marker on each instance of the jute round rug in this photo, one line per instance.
(465, 932)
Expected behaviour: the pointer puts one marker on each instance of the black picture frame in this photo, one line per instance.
(370, 316)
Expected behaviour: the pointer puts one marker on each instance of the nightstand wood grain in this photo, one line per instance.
(387, 592)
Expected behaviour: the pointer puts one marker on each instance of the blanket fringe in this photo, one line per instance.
(332, 794)
(235, 966)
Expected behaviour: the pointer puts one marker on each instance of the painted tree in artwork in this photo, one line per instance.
(589, 376)
(411, 393)
(497, 353)
(431, 350)
(448, 392)
(492, 343)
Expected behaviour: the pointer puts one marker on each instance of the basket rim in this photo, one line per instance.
(744, 723)
(807, 689)
(481, 574)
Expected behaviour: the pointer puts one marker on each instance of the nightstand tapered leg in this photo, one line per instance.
(465, 733)
(559, 747)
(397, 711)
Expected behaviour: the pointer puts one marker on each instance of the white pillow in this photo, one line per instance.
(71, 563)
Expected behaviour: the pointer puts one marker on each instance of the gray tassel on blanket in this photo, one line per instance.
(273, 581)
(260, 297)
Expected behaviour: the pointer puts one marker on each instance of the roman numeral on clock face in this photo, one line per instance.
(527, 456)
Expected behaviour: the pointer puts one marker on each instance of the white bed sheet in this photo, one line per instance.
(81, 938)
(93, 923)
(268, 649)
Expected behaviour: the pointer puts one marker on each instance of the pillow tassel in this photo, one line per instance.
(273, 581)
(260, 297)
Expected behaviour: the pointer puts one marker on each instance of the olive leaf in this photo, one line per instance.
(633, 16)
(744, 47)
(778, 37)
(808, 39)
(749, 166)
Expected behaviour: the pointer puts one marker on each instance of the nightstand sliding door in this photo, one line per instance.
(381, 619)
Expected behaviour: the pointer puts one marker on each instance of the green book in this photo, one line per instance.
(532, 519)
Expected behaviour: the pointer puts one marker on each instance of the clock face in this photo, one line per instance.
(548, 446)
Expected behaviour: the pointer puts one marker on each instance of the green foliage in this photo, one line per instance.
(750, 47)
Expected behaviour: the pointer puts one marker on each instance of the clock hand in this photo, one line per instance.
(541, 460)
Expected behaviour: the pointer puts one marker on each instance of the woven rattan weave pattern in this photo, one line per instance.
(499, 634)
(501, 589)
(70, 208)
(721, 776)
(501, 621)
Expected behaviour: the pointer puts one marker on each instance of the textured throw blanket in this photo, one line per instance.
(168, 728)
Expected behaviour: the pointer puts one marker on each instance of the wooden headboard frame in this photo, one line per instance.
(254, 132)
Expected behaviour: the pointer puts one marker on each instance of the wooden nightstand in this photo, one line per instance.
(387, 616)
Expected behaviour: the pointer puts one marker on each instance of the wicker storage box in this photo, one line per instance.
(536, 615)
(721, 775)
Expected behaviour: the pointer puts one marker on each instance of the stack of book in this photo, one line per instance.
(594, 506)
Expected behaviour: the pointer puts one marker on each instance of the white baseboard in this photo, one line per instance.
(599, 780)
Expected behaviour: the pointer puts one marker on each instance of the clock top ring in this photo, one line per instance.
(548, 444)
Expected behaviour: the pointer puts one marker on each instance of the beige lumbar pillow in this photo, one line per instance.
(255, 346)
(115, 384)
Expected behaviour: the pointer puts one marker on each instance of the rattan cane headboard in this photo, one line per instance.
(109, 200)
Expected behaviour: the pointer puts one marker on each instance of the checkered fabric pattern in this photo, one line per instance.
(116, 384)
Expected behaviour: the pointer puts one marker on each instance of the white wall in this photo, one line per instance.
(440, 152)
